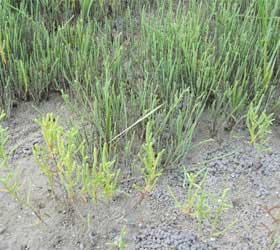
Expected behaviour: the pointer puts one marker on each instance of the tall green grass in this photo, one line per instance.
(119, 60)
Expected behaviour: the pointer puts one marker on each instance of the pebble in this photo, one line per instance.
(2, 230)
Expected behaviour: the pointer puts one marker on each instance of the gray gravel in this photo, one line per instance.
(243, 160)
(169, 238)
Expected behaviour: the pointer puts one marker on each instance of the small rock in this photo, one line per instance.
(2, 229)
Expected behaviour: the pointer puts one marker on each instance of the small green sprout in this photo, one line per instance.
(101, 176)
(258, 124)
(193, 192)
(197, 203)
(150, 162)
(58, 159)
(121, 245)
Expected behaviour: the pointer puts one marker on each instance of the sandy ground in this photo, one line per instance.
(155, 223)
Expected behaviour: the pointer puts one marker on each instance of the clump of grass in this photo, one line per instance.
(221, 55)
(198, 203)
(59, 161)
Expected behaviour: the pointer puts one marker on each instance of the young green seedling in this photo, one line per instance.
(221, 206)
(193, 191)
(201, 210)
(150, 164)
(120, 244)
(197, 203)
(58, 159)
(59, 162)
(258, 124)
(101, 177)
